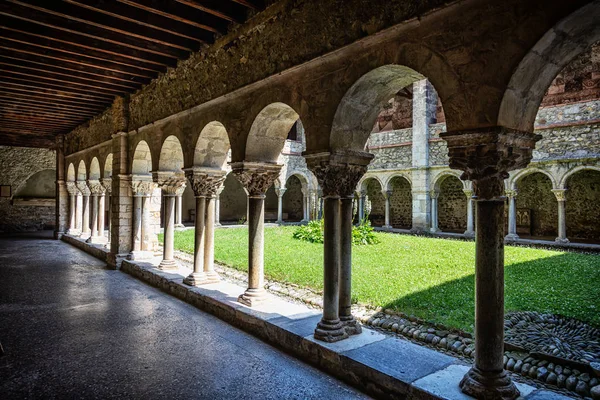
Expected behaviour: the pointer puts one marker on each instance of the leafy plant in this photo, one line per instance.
(313, 232)
(364, 233)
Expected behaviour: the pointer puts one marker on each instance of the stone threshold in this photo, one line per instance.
(381, 365)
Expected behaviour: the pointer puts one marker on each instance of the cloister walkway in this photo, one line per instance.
(71, 328)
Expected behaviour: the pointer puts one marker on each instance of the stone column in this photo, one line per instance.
(78, 212)
(338, 174)
(256, 179)
(172, 185)
(512, 215)
(434, 194)
(218, 205)
(62, 195)
(107, 183)
(72, 189)
(280, 192)
(205, 183)
(136, 224)
(178, 211)
(142, 188)
(470, 232)
(85, 208)
(486, 155)
(97, 191)
(562, 222)
(386, 196)
(361, 205)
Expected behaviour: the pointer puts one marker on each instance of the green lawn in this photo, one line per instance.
(429, 278)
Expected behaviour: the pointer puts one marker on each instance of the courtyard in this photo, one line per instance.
(430, 278)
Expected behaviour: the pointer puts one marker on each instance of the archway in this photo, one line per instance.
(374, 197)
(452, 205)
(94, 170)
(537, 206)
(142, 160)
(581, 207)
(293, 199)
(81, 172)
(71, 173)
(39, 186)
(108, 166)
(400, 202)
(171, 156)
(269, 132)
(233, 202)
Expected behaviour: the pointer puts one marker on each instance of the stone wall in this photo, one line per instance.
(452, 206)
(17, 164)
(583, 195)
(535, 194)
(400, 203)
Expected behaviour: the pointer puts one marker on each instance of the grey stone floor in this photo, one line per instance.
(72, 329)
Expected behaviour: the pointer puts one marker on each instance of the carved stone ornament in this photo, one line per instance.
(205, 182)
(339, 172)
(96, 188)
(107, 183)
(468, 193)
(83, 188)
(434, 194)
(143, 188)
(486, 155)
(510, 193)
(171, 184)
(72, 188)
(256, 178)
(560, 194)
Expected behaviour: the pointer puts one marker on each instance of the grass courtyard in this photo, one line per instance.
(429, 278)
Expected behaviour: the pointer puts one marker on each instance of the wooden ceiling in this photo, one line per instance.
(64, 61)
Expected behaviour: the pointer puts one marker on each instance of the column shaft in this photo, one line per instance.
(178, 211)
(137, 223)
(196, 276)
(72, 213)
(79, 212)
(209, 242)
(85, 214)
(145, 224)
(101, 212)
(345, 311)
(469, 231)
(218, 210)
(256, 218)
(94, 217)
(387, 224)
(168, 262)
(434, 214)
(562, 223)
(280, 209)
(512, 217)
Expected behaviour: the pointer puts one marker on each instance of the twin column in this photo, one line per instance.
(205, 183)
(142, 188)
(172, 184)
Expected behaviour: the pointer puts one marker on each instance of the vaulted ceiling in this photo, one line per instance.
(63, 62)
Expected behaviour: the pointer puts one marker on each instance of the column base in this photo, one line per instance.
(202, 278)
(85, 235)
(218, 224)
(469, 234)
(73, 232)
(480, 385)
(434, 230)
(351, 325)
(331, 331)
(167, 265)
(252, 297)
(386, 227)
(140, 255)
(179, 226)
(562, 240)
(97, 240)
(511, 237)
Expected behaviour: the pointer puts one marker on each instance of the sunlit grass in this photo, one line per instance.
(429, 278)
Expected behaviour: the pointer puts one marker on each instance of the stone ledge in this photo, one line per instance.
(96, 250)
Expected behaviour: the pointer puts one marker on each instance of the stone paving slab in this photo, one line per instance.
(378, 364)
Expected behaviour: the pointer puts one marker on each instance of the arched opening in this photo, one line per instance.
(537, 208)
(94, 170)
(581, 207)
(232, 202)
(81, 172)
(212, 148)
(38, 186)
(271, 201)
(374, 202)
(400, 203)
(452, 205)
(269, 132)
(108, 165)
(142, 159)
(171, 156)
(293, 207)
(71, 173)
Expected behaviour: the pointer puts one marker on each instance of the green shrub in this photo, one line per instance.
(313, 233)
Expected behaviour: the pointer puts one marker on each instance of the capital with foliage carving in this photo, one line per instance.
(560, 194)
(83, 188)
(468, 193)
(107, 183)
(96, 188)
(486, 155)
(510, 193)
(339, 172)
(171, 183)
(205, 182)
(72, 188)
(256, 178)
(434, 194)
(142, 187)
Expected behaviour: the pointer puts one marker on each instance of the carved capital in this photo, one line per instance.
(486, 155)
(142, 188)
(83, 188)
(386, 194)
(434, 194)
(560, 194)
(256, 177)
(468, 193)
(280, 191)
(72, 188)
(338, 172)
(171, 184)
(511, 193)
(205, 182)
(107, 183)
(96, 188)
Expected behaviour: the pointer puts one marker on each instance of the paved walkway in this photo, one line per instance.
(72, 329)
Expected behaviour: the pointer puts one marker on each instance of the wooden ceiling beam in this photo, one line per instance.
(77, 93)
(229, 11)
(24, 119)
(53, 130)
(8, 108)
(257, 5)
(8, 86)
(37, 97)
(25, 139)
(48, 109)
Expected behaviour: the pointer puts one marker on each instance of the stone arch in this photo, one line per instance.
(108, 165)
(358, 110)
(374, 191)
(581, 208)
(400, 188)
(212, 147)
(292, 201)
(71, 173)
(141, 164)
(38, 185)
(535, 198)
(442, 176)
(528, 171)
(268, 133)
(397, 175)
(569, 38)
(81, 171)
(563, 181)
(232, 200)
(452, 203)
(95, 169)
(363, 181)
(171, 155)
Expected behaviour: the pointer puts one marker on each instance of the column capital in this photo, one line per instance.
(485, 155)
(83, 188)
(511, 193)
(171, 183)
(142, 187)
(72, 188)
(468, 193)
(434, 194)
(205, 181)
(560, 194)
(280, 191)
(96, 187)
(338, 172)
(107, 183)
(256, 177)
(386, 193)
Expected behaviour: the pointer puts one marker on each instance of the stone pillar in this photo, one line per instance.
(338, 174)
(142, 188)
(512, 215)
(361, 205)
(256, 179)
(179, 211)
(305, 204)
(470, 232)
(486, 155)
(562, 222)
(218, 205)
(172, 185)
(280, 192)
(424, 109)
(72, 189)
(434, 194)
(85, 208)
(62, 195)
(107, 183)
(205, 183)
(386, 196)
(96, 190)
(136, 223)
(78, 212)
